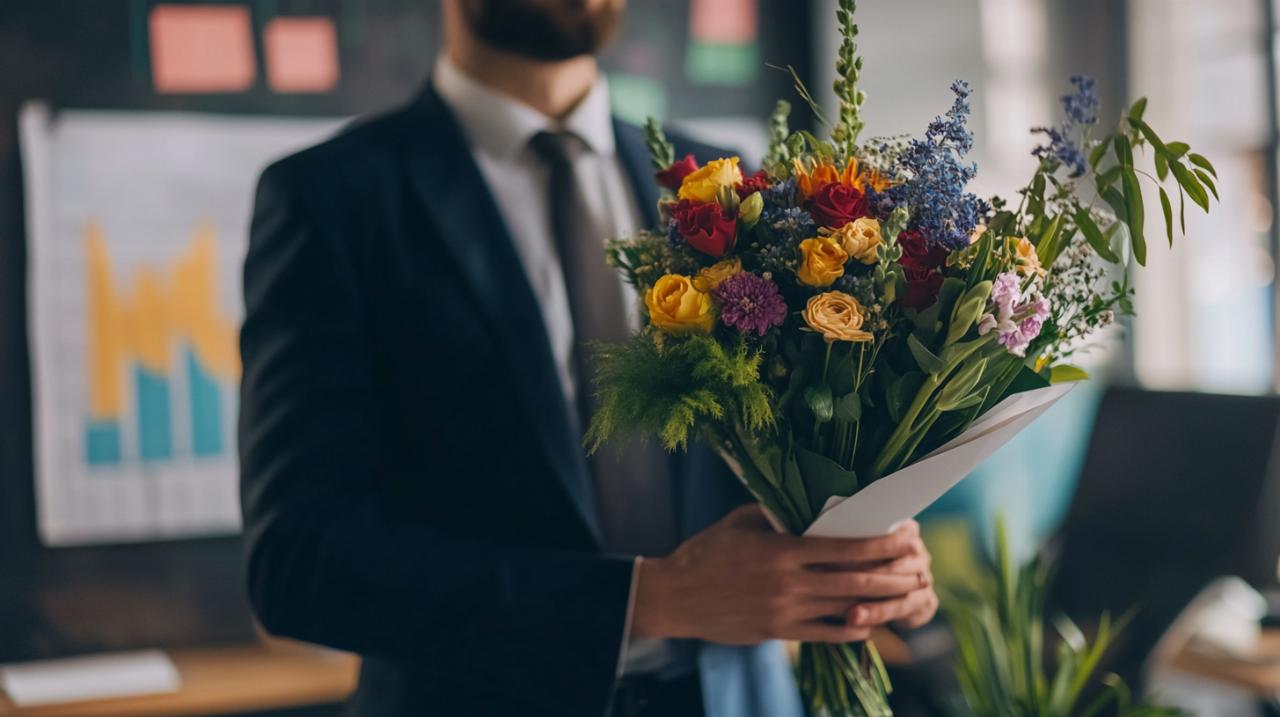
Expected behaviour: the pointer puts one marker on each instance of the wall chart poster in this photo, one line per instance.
(137, 225)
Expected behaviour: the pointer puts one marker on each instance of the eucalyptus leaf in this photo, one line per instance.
(1136, 218)
(1048, 247)
(849, 408)
(1167, 208)
(1115, 200)
(1096, 154)
(1137, 109)
(1191, 184)
(1124, 150)
(1204, 178)
(840, 372)
(1093, 235)
(1162, 166)
(819, 400)
(1200, 161)
(1151, 137)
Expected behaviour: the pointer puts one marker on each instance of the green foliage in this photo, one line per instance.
(645, 257)
(671, 387)
(999, 631)
(661, 152)
(777, 158)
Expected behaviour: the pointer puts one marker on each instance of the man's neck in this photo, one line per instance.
(552, 88)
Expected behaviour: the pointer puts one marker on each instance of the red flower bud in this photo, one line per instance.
(672, 176)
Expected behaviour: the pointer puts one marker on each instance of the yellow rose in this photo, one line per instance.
(675, 306)
(703, 183)
(837, 316)
(1025, 258)
(709, 278)
(859, 239)
(821, 261)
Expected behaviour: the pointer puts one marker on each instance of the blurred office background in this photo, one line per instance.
(130, 135)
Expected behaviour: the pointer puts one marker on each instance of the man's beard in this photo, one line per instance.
(542, 29)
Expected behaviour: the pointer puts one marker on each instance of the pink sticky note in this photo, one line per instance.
(732, 22)
(302, 54)
(201, 48)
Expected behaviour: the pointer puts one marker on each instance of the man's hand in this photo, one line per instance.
(740, 582)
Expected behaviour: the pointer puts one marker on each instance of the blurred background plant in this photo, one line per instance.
(999, 626)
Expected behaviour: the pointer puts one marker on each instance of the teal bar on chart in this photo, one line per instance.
(206, 409)
(155, 418)
(102, 442)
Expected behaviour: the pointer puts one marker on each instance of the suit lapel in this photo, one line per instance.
(452, 190)
(634, 154)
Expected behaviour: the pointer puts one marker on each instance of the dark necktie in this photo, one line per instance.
(632, 480)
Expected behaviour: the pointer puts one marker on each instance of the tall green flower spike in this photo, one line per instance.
(848, 70)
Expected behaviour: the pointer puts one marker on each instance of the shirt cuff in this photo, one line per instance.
(631, 608)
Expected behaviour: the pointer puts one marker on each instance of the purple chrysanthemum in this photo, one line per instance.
(750, 303)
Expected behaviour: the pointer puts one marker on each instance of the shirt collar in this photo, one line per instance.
(502, 126)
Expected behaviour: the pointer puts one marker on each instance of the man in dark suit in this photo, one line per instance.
(419, 292)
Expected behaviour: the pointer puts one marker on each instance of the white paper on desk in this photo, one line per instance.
(876, 509)
(73, 679)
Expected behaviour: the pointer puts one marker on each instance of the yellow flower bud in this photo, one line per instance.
(750, 208)
(821, 261)
(676, 307)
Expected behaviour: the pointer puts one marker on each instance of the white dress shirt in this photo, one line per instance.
(499, 129)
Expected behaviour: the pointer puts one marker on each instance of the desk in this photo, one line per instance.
(1260, 675)
(226, 681)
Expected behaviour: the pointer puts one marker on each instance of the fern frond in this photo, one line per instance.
(676, 388)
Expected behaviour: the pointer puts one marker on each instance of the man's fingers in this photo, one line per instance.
(918, 562)
(886, 611)
(822, 631)
(827, 551)
(921, 617)
(858, 585)
(749, 517)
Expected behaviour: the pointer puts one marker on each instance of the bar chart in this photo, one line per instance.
(138, 226)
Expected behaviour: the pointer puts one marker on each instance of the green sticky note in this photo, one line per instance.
(714, 63)
(635, 98)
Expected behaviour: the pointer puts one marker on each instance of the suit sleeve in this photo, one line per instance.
(325, 561)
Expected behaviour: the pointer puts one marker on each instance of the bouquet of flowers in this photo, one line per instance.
(852, 306)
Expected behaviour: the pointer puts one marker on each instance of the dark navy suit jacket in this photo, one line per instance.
(411, 486)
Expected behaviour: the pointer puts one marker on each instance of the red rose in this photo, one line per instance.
(917, 251)
(922, 288)
(835, 205)
(757, 182)
(706, 226)
(920, 263)
(672, 176)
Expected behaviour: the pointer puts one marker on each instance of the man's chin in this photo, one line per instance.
(525, 29)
